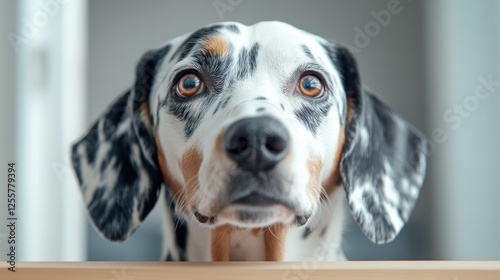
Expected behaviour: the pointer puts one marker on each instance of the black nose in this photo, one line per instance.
(256, 144)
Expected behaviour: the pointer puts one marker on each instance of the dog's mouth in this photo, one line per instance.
(252, 200)
(253, 211)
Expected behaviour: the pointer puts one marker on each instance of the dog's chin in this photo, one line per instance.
(247, 216)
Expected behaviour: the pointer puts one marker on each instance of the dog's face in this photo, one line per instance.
(249, 126)
(248, 121)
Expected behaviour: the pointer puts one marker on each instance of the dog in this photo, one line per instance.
(262, 136)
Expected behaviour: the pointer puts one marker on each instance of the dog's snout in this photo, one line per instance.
(256, 144)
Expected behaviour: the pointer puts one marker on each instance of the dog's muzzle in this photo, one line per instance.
(256, 192)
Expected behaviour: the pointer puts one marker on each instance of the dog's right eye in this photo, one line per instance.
(310, 86)
(189, 85)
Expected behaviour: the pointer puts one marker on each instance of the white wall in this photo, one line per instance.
(463, 48)
(50, 89)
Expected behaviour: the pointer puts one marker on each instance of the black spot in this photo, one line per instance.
(186, 47)
(181, 235)
(254, 51)
(146, 73)
(91, 143)
(261, 98)
(323, 231)
(109, 157)
(226, 101)
(113, 219)
(381, 220)
(158, 108)
(114, 116)
(307, 232)
(282, 106)
(169, 258)
(221, 104)
(217, 107)
(260, 109)
(312, 114)
(181, 229)
(183, 111)
(75, 159)
(247, 61)
(307, 51)
(147, 200)
(344, 61)
(233, 28)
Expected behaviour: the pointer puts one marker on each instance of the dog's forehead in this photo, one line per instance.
(277, 35)
(277, 42)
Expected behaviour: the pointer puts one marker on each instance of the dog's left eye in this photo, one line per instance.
(310, 86)
(189, 85)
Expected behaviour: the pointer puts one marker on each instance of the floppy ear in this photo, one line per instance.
(383, 162)
(116, 161)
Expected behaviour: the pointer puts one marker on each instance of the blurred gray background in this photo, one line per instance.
(431, 61)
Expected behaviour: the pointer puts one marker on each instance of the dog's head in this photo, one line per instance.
(249, 126)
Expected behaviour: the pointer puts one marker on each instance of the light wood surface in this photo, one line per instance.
(444, 270)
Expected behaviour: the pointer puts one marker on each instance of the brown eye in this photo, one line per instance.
(189, 85)
(310, 86)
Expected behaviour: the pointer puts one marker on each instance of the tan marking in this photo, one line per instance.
(167, 178)
(220, 162)
(145, 114)
(256, 231)
(314, 184)
(334, 181)
(216, 46)
(221, 243)
(275, 241)
(219, 144)
(350, 108)
(190, 166)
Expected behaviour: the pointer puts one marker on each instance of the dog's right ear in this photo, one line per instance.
(383, 161)
(116, 161)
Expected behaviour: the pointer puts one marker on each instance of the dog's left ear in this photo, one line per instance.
(116, 161)
(383, 161)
